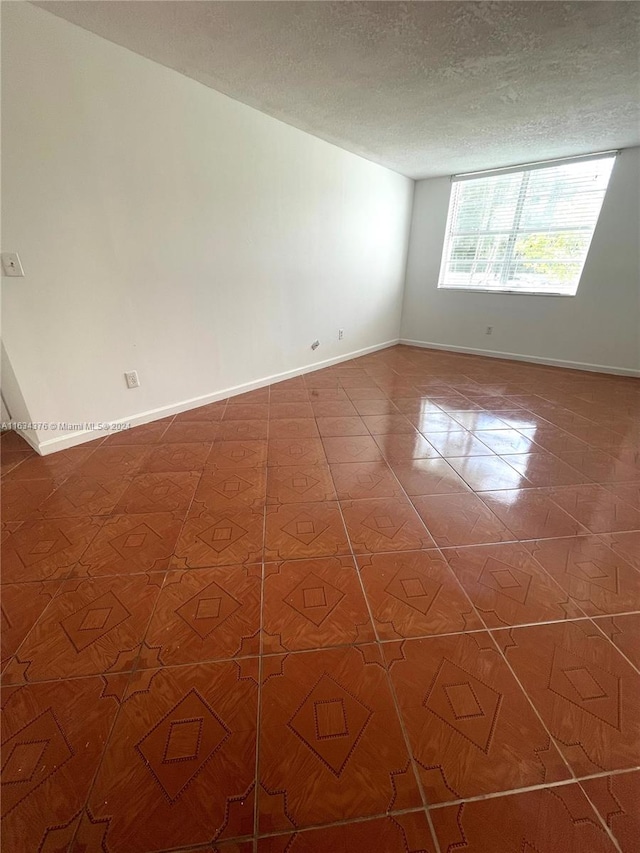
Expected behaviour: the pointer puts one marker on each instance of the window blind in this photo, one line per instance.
(526, 230)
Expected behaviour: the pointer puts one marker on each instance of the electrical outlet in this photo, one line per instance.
(340, 334)
(11, 264)
(131, 379)
(489, 330)
(315, 345)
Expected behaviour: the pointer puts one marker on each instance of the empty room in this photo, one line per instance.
(320, 427)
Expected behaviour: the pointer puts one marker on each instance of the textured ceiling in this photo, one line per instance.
(426, 88)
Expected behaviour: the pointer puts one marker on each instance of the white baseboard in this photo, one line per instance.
(62, 442)
(513, 356)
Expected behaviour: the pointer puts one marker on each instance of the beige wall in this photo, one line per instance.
(168, 229)
(599, 327)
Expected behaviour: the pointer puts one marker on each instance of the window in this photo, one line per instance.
(524, 230)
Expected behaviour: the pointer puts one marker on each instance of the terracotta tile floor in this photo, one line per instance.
(390, 606)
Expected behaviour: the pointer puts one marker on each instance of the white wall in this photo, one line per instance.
(598, 327)
(166, 228)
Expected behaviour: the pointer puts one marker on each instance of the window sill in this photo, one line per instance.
(505, 292)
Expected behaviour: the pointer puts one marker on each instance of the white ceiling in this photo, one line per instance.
(425, 88)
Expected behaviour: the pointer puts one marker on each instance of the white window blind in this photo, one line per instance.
(524, 230)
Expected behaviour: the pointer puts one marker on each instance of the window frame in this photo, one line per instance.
(527, 168)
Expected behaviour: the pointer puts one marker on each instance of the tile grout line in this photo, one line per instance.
(543, 786)
(574, 777)
(391, 687)
(601, 817)
(256, 798)
(607, 637)
(294, 652)
(379, 642)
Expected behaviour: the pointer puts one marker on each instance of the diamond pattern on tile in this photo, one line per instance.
(84, 496)
(375, 407)
(166, 458)
(357, 448)
(181, 743)
(20, 608)
(304, 530)
(168, 492)
(586, 685)
(530, 514)
(330, 722)
(46, 550)
(314, 598)
(207, 615)
(388, 424)
(507, 580)
(222, 534)
(208, 609)
(295, 451)
(365, 480)
(312, 604)
(459, 702)
(113, 461)
(457, 445)
(183, 749)
(293, 428)
(484, 473)
(597, 508)
(146, 549)
(429, 477)
(237, 454)
(325, 715)
(414, 594)
(338, 408)
(600, 466)
(299, 483)
(219, 538)
(591, 573)
(131, 543)
(24, 756)
(460, 519)
(585, 691)
(94, 620)
(397, 448)
(89, 628)
(384, 524)
(53, 736)
(508, 587)
(227, 487)
(464, 702)
(240, 430)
